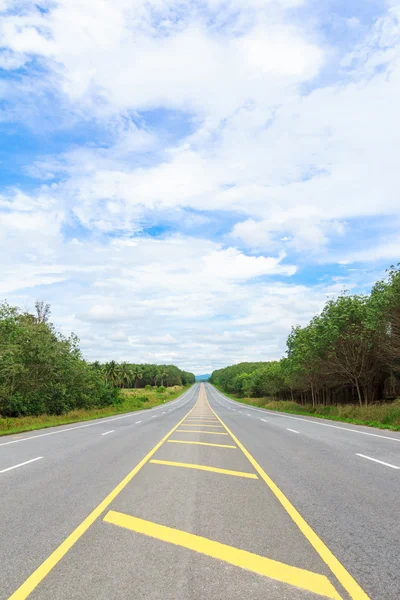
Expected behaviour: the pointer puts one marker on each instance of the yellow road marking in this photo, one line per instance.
(44, 569)
(204, 468)
(306, 580)
(200, 443)
(347, 581)
(201, 420)
(205, 425)
(200, 431)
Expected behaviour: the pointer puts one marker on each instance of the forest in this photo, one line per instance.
(43, 372)
(347, 354)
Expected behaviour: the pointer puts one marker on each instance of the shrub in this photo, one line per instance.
(143, 398)
(161, 389)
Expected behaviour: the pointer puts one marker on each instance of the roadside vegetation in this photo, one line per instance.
(44, 380)
(131, 400)
(343, 365)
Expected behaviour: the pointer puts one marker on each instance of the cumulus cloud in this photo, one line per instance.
(283, 146)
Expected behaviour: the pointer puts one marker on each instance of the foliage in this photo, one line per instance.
(347, 354)
(129, 400)
(43, 372)
(129, 375)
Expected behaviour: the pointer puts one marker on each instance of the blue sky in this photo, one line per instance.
(185, 182)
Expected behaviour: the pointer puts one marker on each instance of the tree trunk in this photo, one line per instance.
(312, 395)
(359, 393)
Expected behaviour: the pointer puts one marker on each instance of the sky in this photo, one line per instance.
(184, 181)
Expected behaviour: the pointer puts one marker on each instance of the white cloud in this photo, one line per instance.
(295, 159)
(115, 58)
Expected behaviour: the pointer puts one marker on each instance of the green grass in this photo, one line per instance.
(132, 400)
(383, 415)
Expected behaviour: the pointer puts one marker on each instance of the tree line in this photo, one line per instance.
(349, 353)
(43, 372)
(129, 375)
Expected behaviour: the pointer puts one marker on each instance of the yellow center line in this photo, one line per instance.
(200, 431)
(204, 468)
(342, 575)
(46, 566)
(306, 580)
(201, 443)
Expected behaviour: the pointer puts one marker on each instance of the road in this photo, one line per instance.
(200, 497)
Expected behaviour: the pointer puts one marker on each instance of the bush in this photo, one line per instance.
(142, 398)
(14, 406)
(161, 389)
(148, 387)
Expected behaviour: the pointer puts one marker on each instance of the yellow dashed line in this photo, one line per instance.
(201, 443)
(306, 580)
(205, 468)
(205, 425)
(200, 431)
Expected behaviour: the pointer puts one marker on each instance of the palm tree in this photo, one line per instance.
(112, 372)
(137, 373)
(162, 373)
(126, 374)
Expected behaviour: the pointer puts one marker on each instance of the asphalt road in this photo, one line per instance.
(201, 497)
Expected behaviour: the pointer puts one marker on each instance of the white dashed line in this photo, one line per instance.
(136, 422)
(107, 432)
(21, 464)
(381, 462)
(292, 430)
(98, 422)
(319, 422)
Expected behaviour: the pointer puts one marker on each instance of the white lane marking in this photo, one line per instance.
(248, 414)
(381, 462)
(136, 422)
(99, 422)
(276, 414)
(265, 421)
(163, 413)
(292, 430)
(107, 432)
(154, 416)
(21, 464)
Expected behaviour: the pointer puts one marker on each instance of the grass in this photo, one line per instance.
(383, 415)
(133, 400)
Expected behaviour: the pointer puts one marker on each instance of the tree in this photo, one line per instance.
(42, 311)
(162, 373)
(137, 373)
(126, 375)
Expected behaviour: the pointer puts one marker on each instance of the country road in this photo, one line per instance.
(202, 497)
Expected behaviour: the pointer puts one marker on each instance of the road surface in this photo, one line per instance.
(200, 498)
